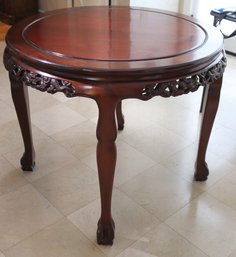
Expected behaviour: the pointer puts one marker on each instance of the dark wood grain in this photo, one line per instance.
(110, 54)
(142, 45)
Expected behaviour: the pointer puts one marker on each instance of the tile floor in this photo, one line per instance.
(159, 210)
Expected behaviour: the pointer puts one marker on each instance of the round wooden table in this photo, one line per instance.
(110, 54)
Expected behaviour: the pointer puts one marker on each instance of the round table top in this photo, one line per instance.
(88, 42)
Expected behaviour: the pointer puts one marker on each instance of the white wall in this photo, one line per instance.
(90, 2)
(204, 7)
(46, 5)
(100, 2)
(202, 12)
(170, 5)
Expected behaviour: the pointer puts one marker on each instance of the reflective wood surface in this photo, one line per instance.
(110, 54)
(116, 39)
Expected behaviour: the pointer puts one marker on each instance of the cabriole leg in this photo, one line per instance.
(212, 102)
(21, 101)
(106, 162)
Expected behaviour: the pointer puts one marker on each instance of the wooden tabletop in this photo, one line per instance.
(131, 41)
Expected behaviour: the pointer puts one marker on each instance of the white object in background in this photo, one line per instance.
(230, 45)
(47, 5)
(170, 5)
(99, 2)
(90, 2)
(203, 13)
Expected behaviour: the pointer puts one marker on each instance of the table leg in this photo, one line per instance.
(21, 101)
(212, 102)
(203, 100)
(120, 116)
(106, 162)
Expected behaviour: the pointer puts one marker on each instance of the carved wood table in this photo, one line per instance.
(110, 54)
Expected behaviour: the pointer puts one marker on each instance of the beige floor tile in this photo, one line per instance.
(84, 106)
(130, 162)
(156, 142)
(7, 113)
(183, 122)
(191, 101)
(5, 92)
(49, 157)
(2, 47)
(157, 111)
(224, 115)
(1, 255)
(183, 164)
(10, 177)
(233, 254)
(136, 115)
(56, 118)
(166, 113)
(60, 240)
(162, 242)
(225, 190)
(70, 187)
(151, 109)
(11, 139)
(222, 145)
(134, 253)
(208, 224)
(24, 212)
(40, 100)
(59, 96)
(2, 68)
(80, 140)
(143, 112)
(131, 220)
(160, 192)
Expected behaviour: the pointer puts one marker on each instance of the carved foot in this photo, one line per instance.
(105, 233)
(27, 163)
(121, 126)
(201, 172)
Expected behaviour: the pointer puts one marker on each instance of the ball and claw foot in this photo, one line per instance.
(105, 233)
(27, 163)
(201, 172)
(121, 126)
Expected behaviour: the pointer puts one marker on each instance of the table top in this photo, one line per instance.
(87, 42)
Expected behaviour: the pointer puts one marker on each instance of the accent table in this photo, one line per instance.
(110, 54)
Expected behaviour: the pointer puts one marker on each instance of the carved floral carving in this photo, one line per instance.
(184, 85)
(165, 89)
(38, 81)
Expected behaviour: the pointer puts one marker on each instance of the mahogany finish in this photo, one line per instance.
(110, 54)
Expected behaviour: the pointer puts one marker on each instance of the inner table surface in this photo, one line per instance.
(139, 32)
(113, 39)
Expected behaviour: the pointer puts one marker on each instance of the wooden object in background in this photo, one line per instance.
(3, 30)
(12, 11)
